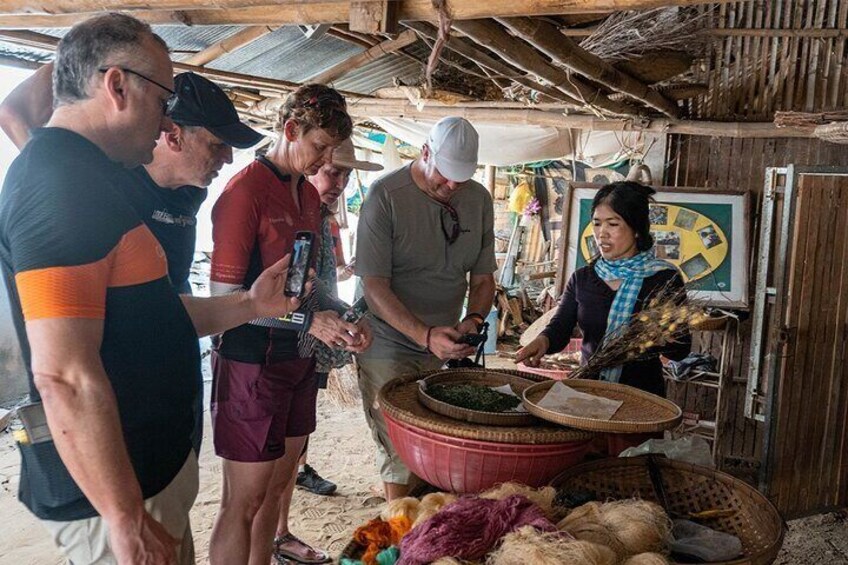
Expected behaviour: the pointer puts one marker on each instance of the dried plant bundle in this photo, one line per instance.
(807, 119)
(665, 319)
(342, 387)
(629, 35)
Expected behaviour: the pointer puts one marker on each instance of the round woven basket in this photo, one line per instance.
(486, 378)
(710, 324)
(641, 412)
(688, 489)
(399, 399)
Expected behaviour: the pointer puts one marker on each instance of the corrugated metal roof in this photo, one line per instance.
(380, 73)
(287, 54)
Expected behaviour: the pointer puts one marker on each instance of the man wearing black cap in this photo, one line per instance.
(187, 158)
(168, 191)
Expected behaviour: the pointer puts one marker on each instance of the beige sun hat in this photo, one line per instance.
(345, 156)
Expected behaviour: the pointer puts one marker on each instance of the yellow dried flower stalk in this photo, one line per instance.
(665, 319)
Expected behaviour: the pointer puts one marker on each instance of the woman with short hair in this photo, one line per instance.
(264, 386)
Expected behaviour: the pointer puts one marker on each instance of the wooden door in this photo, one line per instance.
(809, 415)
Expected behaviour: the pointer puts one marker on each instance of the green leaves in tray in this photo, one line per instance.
(474, 397)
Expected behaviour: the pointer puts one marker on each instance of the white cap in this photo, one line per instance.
(453, 143)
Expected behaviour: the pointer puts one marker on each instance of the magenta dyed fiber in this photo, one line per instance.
(469, 528)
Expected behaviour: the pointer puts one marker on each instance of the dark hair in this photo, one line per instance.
(317, 106)
(631, 201)
(110, 39)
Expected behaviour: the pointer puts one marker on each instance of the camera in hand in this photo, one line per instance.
(301, 259)
(356, 311)
(472, 339)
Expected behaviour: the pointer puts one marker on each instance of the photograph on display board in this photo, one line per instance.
(658, 215)
(702, 233)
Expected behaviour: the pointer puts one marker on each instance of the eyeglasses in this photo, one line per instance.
(168, 104)
(456, 229)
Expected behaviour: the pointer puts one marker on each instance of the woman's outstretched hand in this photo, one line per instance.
(531, 354)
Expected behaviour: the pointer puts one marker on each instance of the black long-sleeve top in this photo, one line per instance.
(586, 303)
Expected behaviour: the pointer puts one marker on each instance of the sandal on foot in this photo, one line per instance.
(304, 553)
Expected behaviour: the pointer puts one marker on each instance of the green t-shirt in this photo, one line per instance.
(401, 236)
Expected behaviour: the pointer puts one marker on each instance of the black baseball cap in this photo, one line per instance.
(201, 102)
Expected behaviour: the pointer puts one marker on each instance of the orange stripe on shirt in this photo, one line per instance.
(65, 292)
(138, 258)
(79, 291)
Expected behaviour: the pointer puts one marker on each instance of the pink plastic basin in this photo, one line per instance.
(470, 466)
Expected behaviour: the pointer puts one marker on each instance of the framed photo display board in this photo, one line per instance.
(701, 231)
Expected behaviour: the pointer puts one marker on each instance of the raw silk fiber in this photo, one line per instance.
(469, 528)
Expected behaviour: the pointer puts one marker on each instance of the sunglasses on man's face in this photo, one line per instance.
(455, 229)
(168, 104)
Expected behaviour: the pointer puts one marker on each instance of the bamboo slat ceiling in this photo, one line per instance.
(751, 77)
(756, 57)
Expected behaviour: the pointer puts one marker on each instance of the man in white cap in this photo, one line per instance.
(425, 242)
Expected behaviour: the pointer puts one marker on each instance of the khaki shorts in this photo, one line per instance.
(373, 374)
(87, 541)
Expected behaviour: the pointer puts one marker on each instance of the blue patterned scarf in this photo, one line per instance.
(631, 271)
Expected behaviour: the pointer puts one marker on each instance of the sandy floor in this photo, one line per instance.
(342, 451)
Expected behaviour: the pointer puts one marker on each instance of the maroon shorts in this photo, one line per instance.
(256, 407)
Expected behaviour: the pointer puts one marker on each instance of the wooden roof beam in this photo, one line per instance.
(29, 14)
(471, 52)
(405, 39)
(562, 50)
(492, 36)
(237, 40)
(374, 16)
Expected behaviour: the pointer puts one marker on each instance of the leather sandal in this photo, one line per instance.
(307, 555)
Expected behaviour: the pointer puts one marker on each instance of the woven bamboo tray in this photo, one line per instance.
(642, 412)
(688, 489)
(399, 399)
(486, 378)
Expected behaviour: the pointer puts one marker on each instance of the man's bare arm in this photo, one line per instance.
(216, 314)
(28, 106)
(387, 306)
(82, 415)
(481, 293)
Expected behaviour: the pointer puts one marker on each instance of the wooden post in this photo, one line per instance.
(544, 37)
(518, 53)
(405, 39)
(239, 39)
(374, 16)
(491, 171)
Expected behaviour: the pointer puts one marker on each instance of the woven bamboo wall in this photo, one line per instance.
(723, 164)
(800, 68)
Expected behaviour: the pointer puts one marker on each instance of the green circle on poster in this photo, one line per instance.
(688, 239)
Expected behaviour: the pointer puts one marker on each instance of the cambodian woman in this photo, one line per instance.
(601, 297)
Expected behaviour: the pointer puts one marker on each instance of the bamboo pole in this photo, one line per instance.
(29, 14)
(468, 50)
(543, 36)
(404, 39)
(235, 41)
(521, 55)
(401, 109)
